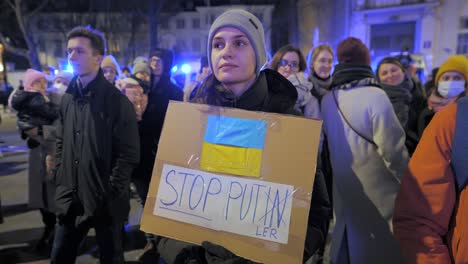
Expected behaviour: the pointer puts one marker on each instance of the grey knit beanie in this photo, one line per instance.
(249, 25)
(141, 66)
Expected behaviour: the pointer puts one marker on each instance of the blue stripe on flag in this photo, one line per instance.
(233, 131)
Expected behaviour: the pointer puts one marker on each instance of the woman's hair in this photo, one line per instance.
(274, 64)
(389, 60)
(313, 54)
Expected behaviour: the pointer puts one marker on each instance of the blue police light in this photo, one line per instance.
(186, 68)
(174, 69)
(69, 68)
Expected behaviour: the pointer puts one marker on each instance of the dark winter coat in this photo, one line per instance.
(150, 126)
(97, 150)
(270, 93)
(33, 110)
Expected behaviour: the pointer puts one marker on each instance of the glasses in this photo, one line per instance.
(292, 64)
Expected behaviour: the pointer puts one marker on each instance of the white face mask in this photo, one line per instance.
(450, 89)
(61, 88)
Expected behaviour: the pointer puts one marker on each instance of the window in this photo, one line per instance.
(58, 51)
(212, 18)
(392, 37)
(165, 23)
(462, 44)
(42, 45)
(114, 46)
(196, 45)
(195, 23)
(180, 43)
(464, 23)
(180, 23)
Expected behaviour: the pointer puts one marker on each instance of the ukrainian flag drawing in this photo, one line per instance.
(233, 145)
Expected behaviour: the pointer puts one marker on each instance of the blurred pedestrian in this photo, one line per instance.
(111, 68)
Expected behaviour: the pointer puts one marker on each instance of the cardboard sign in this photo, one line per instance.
(253, 208)
(260, 218)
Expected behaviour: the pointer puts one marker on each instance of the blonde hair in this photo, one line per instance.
(313, 54)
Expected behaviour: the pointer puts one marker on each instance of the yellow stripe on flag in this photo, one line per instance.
(232, 160)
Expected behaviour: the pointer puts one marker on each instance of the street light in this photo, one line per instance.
(1, 58)
(2, 64)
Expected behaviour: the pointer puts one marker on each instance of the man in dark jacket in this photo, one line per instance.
(161, 92)
(97, 150)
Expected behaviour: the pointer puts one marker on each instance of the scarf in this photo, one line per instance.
(400, 93)
(320, 86)
(348, 75)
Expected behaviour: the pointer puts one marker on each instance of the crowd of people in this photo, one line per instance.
(391, 163)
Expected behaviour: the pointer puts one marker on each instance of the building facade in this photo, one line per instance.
(430, 29)
(186, 33)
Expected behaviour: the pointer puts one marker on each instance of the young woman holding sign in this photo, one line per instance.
(236, 56)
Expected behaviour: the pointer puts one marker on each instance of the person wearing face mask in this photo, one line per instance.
(59, 86)
(431, 208)
(320, 64)
(450, 81)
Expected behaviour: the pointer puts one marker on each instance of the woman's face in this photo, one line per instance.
(391, 74)
(233, 57)
(289, 64)
(322, 65)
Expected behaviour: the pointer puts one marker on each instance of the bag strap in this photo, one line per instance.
(349, 124)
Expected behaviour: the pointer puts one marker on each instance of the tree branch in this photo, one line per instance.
(9, 48)
(11, 4)
(42, 5)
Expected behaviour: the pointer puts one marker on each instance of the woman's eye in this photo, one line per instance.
(240, 43)
(218, 45)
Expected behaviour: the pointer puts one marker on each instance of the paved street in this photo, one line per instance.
(22, 226)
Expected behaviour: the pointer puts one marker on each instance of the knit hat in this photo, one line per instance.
(249, 25)
(140, 59)
(352, 50)
(110, 61)
(141, 67)
(64, 75)
(30, 77)
(458, 63)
